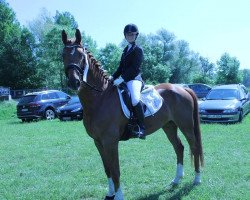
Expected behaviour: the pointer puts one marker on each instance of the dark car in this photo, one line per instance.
(201, 90)
(72, 110)
(225, 103)
(41, 104)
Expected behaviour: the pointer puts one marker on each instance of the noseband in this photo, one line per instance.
(83, 72)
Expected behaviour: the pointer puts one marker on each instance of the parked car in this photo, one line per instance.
(201, 90)
(225, 103)
(41, 104)
(182, 85)
(72, 110)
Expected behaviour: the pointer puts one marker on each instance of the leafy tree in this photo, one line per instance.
(167, 40)
(109, 56)
(183, 63)
(65, 19)
(206, 72)
(18, 65)
(41, 25)
(228, 70)
(89, 43)
(160, 74)
(154, 68)
(246, 77)
(50, 60)
(50, 47)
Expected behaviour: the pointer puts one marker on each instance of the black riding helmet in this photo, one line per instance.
(131, 28)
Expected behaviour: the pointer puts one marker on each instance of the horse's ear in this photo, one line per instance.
(78, 36)
(64, 37)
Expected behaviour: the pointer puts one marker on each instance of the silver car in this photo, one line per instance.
(225, 103)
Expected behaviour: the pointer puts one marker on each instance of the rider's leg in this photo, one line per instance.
(134, 87)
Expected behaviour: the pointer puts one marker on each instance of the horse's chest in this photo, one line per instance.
(92, 127)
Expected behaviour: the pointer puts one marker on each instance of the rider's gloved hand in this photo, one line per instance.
(118, 81)
(111, 78)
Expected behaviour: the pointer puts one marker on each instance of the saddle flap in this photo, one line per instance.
(149, 97)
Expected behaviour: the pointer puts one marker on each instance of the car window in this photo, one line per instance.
(224, 94)
(242, 94)
(199, 87)
(230, 94)
(245, 90)
(74, 100)
(28, 99)
(193, 87)
(52, 95)
(62, 95)
(45, 97)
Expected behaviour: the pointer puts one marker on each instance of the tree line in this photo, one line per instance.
(30, 57)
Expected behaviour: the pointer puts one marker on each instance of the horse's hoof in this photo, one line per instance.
(142, 136)
(197, 178)
(174, 183)
(176, 180)
(196, 183)
(110, 198)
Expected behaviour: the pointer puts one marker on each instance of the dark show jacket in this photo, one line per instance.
(130, 63)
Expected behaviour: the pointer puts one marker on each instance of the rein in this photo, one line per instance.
(92, 87)
(83, 72)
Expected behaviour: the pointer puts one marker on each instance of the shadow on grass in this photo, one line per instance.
(171, 193)
(20, 122)
(14, 122)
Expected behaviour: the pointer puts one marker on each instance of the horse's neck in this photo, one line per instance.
(93, 92)
(91, 98)
(96, 75)
(98, 81)
(87, 96)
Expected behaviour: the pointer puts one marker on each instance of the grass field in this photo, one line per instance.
(57, 160)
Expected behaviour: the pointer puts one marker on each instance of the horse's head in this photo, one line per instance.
(74, 59)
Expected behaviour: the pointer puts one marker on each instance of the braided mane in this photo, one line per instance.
(98, 72)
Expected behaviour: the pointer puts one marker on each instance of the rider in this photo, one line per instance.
(129, 72)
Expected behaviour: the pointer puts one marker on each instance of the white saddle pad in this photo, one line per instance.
(150, 97)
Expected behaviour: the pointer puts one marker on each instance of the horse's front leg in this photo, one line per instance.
(111, 190)
(112, 158)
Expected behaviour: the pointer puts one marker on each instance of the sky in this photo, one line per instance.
(211, 27)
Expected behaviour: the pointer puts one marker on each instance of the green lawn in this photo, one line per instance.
(57, 160)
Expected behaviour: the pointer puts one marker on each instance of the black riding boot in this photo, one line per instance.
(139, 113)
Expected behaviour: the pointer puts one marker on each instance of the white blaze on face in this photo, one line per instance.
(73, 51)
(86, 68)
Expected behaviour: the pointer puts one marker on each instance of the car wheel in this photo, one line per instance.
(50, 114)
(240, 116)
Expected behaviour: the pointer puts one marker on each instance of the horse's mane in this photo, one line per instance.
(99, 73)
(97, 68)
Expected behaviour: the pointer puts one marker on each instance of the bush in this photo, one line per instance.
(7, 109)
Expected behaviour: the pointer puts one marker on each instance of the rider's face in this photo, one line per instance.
(130, 37)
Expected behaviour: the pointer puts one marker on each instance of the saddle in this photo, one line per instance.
(150, 99)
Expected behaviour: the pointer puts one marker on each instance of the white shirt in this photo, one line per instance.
(129, 46)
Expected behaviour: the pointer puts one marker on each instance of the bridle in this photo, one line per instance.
(83, 71)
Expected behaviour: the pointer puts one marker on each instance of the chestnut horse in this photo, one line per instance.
(105, 122)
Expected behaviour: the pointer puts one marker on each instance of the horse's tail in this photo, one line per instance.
(197, 130)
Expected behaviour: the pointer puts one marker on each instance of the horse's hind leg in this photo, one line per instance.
(171, 131)
(189, 134)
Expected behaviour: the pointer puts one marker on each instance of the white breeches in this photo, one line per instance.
(134, 87)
